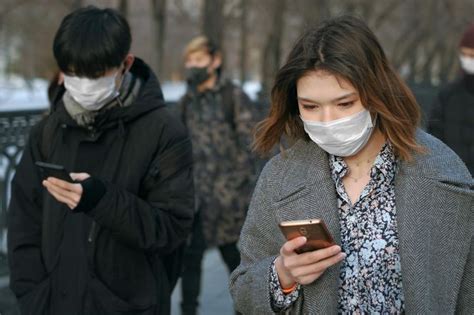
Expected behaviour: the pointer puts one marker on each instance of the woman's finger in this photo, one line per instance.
(309, 279)
(318, 267)
(288, 249)
(310, 258)
(320, 254)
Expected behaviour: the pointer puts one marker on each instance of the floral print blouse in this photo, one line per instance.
(370, 275)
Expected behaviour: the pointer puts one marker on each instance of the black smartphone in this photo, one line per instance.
(54, 170)
(314, 230)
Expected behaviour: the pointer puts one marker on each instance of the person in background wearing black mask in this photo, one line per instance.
(219, 118)
(452, 117)
(110, 238)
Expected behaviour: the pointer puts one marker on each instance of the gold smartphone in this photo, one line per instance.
(315, 231)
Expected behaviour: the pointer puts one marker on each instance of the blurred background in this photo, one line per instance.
(420, 38)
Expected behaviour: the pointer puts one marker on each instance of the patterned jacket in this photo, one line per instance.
(220, 123)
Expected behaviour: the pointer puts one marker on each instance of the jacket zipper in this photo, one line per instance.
(90, 252)
(92, 232)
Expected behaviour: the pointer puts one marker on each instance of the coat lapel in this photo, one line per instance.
(413, 255)
(308, 192)
(432, 227)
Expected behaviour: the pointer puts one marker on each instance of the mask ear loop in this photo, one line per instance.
(375, 120)
(117, 97)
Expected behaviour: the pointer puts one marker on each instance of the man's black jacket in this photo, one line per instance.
(109, 259)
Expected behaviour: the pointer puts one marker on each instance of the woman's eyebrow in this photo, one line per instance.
(344, 96)
(304, 99)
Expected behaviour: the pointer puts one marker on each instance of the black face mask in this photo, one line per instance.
(196, 75)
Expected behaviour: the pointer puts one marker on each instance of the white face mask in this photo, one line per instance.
(467, 64)
(341, 137)
(92, 94)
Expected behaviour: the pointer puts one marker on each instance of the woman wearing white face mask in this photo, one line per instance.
(385, 189)
(452, 115)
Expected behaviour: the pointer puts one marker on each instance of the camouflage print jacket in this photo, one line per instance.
(220, 123)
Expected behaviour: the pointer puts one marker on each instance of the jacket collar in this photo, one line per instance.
(308, 164)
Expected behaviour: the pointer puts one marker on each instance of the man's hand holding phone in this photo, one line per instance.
(63, 186)
(306, 267)
(66, 192)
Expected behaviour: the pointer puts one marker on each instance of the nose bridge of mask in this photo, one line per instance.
(341, 122)
(342, 130)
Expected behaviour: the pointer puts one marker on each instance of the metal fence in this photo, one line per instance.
(14, 130)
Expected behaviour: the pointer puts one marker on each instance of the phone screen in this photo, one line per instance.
(54, 170)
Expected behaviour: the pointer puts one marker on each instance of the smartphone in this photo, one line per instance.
(54, 170)
(315, 231)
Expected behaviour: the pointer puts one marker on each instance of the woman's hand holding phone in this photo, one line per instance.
(306, 267)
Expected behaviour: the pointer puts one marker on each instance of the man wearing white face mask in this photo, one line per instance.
(110, 238)
(452, 117)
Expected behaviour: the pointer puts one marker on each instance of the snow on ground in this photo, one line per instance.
(17, 94)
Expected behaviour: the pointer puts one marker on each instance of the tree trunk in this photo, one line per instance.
(159, 16)
(314, 12)
(213, 20)
(243, 41)
(272, 50)
(76, 4)
(123, 8)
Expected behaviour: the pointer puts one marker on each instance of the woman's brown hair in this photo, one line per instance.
(346, 48)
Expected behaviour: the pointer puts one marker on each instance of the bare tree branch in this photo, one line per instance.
(213, 20)
(123, 7)
(159, 16)
(272, 50)
(243, 40)
(386, 12)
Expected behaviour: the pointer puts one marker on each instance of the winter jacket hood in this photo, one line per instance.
(149, 98)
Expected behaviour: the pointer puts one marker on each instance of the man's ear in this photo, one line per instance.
(129, 62)
(216, 60)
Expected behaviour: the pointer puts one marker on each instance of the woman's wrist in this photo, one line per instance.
(286, 281)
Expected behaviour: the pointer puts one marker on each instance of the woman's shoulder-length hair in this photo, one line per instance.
(346, 48)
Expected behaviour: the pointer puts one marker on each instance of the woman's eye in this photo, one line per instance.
(345, 104)
(309, 107)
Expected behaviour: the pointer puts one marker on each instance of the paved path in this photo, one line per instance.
(215, 297)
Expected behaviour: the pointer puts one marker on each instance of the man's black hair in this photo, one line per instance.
(91, 41)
